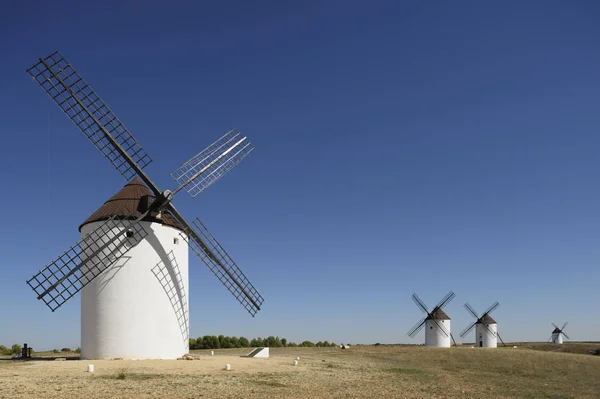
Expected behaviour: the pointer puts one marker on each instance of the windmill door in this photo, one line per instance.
(480, 340)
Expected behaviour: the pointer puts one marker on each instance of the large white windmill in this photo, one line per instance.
(557, 334)
(132, 261)
(486, 328)
(436, 323)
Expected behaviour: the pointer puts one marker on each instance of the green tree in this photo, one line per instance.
(5, 351)
(244, 342)
(283, 342)
(78, 350)
(235, 342)
(307, 343)
(192, 343)
(292, 344)
(222, 341)
(319, 344)
(15, 349)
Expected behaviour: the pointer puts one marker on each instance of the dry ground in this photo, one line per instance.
(360, 372)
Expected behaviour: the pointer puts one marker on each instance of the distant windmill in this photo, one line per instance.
(557, 334)
(436, 322)
(486, 328)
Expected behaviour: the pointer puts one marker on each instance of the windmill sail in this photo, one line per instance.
(223, 267)
(211, 164)
(83, 262)
(89, 113)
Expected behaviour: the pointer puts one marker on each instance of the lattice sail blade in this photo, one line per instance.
(210, 165)
(566, 336)
(468, 329)
(420, 304)
(223, 267)
(564, 325)
(446, 300)
(471, 310)
(417, 327)
(79, 265)
(89, 113)
(493, 307)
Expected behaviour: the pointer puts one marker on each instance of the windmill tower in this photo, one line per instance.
(486, 328)
(436, 322)
(132, 261)
(557, 334)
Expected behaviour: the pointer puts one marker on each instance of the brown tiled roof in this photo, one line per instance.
(124, 204)
(438, 314)
(486, 319)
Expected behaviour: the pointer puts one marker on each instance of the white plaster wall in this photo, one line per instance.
(557, 338)
(125, 311)
(485, 338)
(434, 337)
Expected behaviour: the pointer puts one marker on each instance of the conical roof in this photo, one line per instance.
(438, 314)
(556, 331)
(124, 204)
(486, 319)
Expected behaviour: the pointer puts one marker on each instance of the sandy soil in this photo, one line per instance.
(360, 372)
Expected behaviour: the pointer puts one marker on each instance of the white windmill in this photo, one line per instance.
(486, 328)
(557, 334)
(436, 323)
(132, 262)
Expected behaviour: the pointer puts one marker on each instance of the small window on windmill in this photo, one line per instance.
(175, 240)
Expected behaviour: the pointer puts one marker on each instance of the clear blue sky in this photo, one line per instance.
(400, 147)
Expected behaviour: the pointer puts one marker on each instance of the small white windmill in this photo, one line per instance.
(558, 333)
(486, 328)
(436, 323)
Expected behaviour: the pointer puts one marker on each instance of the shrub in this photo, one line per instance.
(15, 349)
(78, 350)
(5, 351)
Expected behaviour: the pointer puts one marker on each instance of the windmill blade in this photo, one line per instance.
(566, 336)
(501, 340)
(79, 265)
(211, 164)
(468, 329)
(90, 114)
(441, 327)
(446, 300)
(492, 308)
(471, 310)
(417, 327)
(453, 340)
(564, 325)
(220, 263)
(420, 303)
(555, 326)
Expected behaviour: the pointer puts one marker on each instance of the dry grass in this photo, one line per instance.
(360, 372)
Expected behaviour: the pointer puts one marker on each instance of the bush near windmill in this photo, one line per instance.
(225, 342)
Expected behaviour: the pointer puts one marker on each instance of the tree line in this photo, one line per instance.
(222, 341)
